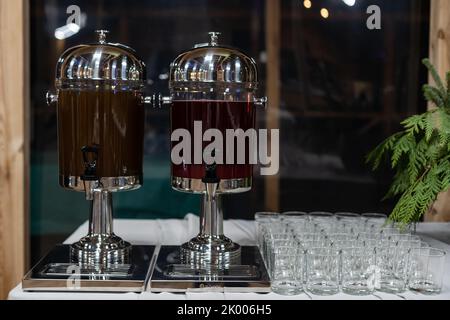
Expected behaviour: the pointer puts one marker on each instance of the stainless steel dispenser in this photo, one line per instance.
(100, 112)
(215, 86)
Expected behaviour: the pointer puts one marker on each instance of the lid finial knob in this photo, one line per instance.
(214, 38)
(102, 35)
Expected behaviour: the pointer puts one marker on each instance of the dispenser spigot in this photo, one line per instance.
(211, 174)
(90, 177)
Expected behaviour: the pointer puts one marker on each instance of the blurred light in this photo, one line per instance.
(324, 13)
(350, 3)
(163, 76)
(67, 31)
(307, 4)
(263, 57)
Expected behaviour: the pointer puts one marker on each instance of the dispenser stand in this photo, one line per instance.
(99, 262)
(101, 247)
(210, 247)
(210, 259)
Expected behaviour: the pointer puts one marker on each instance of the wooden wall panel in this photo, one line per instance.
(440, 35)
(273, 44)
(440, 57)
(14, 98)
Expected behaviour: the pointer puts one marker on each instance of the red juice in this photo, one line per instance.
(213, 114)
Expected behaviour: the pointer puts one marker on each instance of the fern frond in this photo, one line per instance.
(429, 125)
(444, 165)
(443, 127)
(434, 75)
(434, 95)
(404, 145)
(376, 155)
(414, 124)
(400, 184)
(420, 154)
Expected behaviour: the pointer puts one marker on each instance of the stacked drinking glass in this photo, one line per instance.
(325, 253)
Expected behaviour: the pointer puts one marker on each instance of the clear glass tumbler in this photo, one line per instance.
(392, 263)
(358, 271)
(287, 270)
(294, 217)
(274, 241)
(374, 220)
(261, 219)
(426, 270)
(322, 271)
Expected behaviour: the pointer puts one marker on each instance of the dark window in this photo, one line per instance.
(343, 89)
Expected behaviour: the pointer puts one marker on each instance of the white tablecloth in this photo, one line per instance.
(175, 232)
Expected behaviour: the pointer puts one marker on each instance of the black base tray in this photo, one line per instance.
(170, 275)
(56, 272)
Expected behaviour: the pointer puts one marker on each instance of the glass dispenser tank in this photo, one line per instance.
(100, 136)
(213, 87)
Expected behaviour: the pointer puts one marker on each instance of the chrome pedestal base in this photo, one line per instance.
(100, 250)
(101, 246)
(211, 251)
(58, 272)
(170, 274)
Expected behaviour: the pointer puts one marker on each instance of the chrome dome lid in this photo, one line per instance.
(101, 63)
(213, 63)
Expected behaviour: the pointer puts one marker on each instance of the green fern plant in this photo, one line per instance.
(419, 154)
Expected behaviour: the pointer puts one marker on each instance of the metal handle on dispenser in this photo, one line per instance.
(51, 98)
(157, 101)
(261, 102)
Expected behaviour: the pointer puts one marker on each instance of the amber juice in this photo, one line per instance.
(111, 120)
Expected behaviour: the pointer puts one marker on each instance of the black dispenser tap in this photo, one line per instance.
(90, 158)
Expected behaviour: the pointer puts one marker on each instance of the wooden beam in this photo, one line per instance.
(440, 58)
(273, 41)
(440, 36)
(14, 96)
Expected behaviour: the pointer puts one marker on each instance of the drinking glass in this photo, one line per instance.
(404, 246)
(426, 270)
(338, 245)
(287, 270)
(403, 237)
(309, 240)
(387, 232)
(262, 218)
(315, 243)
(301, 228)
(322, 271)
(374, 219)
(363, 236)
(274, 241)
(349, 217)
(334, 237)
(392, 267)
(294, 217)
(320, 216)
(358, 270)
(325, 221)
